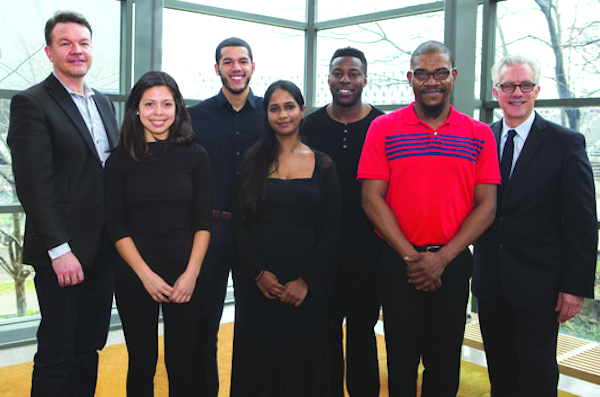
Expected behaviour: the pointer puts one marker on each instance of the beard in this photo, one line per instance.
(433, 111)
(232, 90)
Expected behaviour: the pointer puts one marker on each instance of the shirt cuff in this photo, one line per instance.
(59, 251)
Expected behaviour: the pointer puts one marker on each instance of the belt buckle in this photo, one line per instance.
(433, 248)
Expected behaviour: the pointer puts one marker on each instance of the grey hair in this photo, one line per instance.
(514, 60)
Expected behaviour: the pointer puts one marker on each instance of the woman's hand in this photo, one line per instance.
(158, 289)
(295, 292)
(184, 288)
(269, 285)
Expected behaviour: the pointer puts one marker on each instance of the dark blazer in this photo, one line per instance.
(58, 175)
(544, 239)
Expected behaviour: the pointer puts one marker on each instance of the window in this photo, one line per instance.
(387, 46)
(278, 52)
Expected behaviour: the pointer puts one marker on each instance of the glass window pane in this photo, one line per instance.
(23, 61)
(294, 10)
(17, 292)
(335, 9)
(575, 51)
(387, 46)
(17, 295)
(278, 53)
(7, 192)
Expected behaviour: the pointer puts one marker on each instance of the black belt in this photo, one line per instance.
(221, 214)
(429, 248)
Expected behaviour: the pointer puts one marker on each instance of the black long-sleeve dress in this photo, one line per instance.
(280, 350)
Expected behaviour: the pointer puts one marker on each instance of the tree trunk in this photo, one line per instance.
(21, 296)
(547, 6)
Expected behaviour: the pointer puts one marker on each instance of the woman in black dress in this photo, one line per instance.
(285, 228)
(158, 201)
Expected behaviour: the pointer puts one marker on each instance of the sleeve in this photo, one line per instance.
(373, 163)
(329, 222)
(243, 240)
(202, 208)
(488, 169)
(580, 225)
(30, 142)
(114, 198)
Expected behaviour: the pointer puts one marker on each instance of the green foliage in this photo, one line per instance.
(10, 286)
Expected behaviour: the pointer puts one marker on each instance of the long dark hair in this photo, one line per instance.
(133, 140)
(258, 160)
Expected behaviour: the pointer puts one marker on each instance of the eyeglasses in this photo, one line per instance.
(509, 88)
(440, 74)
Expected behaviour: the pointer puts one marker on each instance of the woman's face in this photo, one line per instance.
(284, 113)
(157, 113)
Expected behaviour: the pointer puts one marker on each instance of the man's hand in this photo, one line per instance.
(568, 306)
(425, 274)
(68, 269)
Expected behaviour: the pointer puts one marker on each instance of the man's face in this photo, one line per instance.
(71, 50)
(432, 95)
(516, 105)
(346, 80)
(235, 69)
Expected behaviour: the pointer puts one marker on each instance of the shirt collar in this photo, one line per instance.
(452, 119)
(222, 99)
(522, 129)
(87, 90)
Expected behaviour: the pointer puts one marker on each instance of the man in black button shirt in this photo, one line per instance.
(339, 129)
(226, 126)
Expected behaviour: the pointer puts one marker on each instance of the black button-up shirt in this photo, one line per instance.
(226, 135)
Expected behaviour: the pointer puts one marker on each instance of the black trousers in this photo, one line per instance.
(221, 257)
(355, 297)
(73, 328)
(520, 347)
(139, 316)
(424, 325)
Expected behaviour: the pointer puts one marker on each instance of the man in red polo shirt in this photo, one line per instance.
(429, 176)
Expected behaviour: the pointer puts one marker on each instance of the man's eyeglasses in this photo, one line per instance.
(422, 74)
(509, 88)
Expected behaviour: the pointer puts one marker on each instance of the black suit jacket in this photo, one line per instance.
(58, 174)
(545, 235)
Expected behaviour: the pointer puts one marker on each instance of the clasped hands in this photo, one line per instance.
(161, 291)
(424, 270)
(293, 292)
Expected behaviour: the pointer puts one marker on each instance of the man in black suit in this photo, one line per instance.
(59, 134)
(536, 263)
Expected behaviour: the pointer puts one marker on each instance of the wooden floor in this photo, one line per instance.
(15, 380)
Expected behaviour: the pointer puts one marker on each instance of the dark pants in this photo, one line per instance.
(139, 316)
(73, 328)
(355, 297)
(221, 257)
(424, 325)
(520, 347)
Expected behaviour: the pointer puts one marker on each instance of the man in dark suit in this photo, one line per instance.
(59, 134)
(536, 263)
